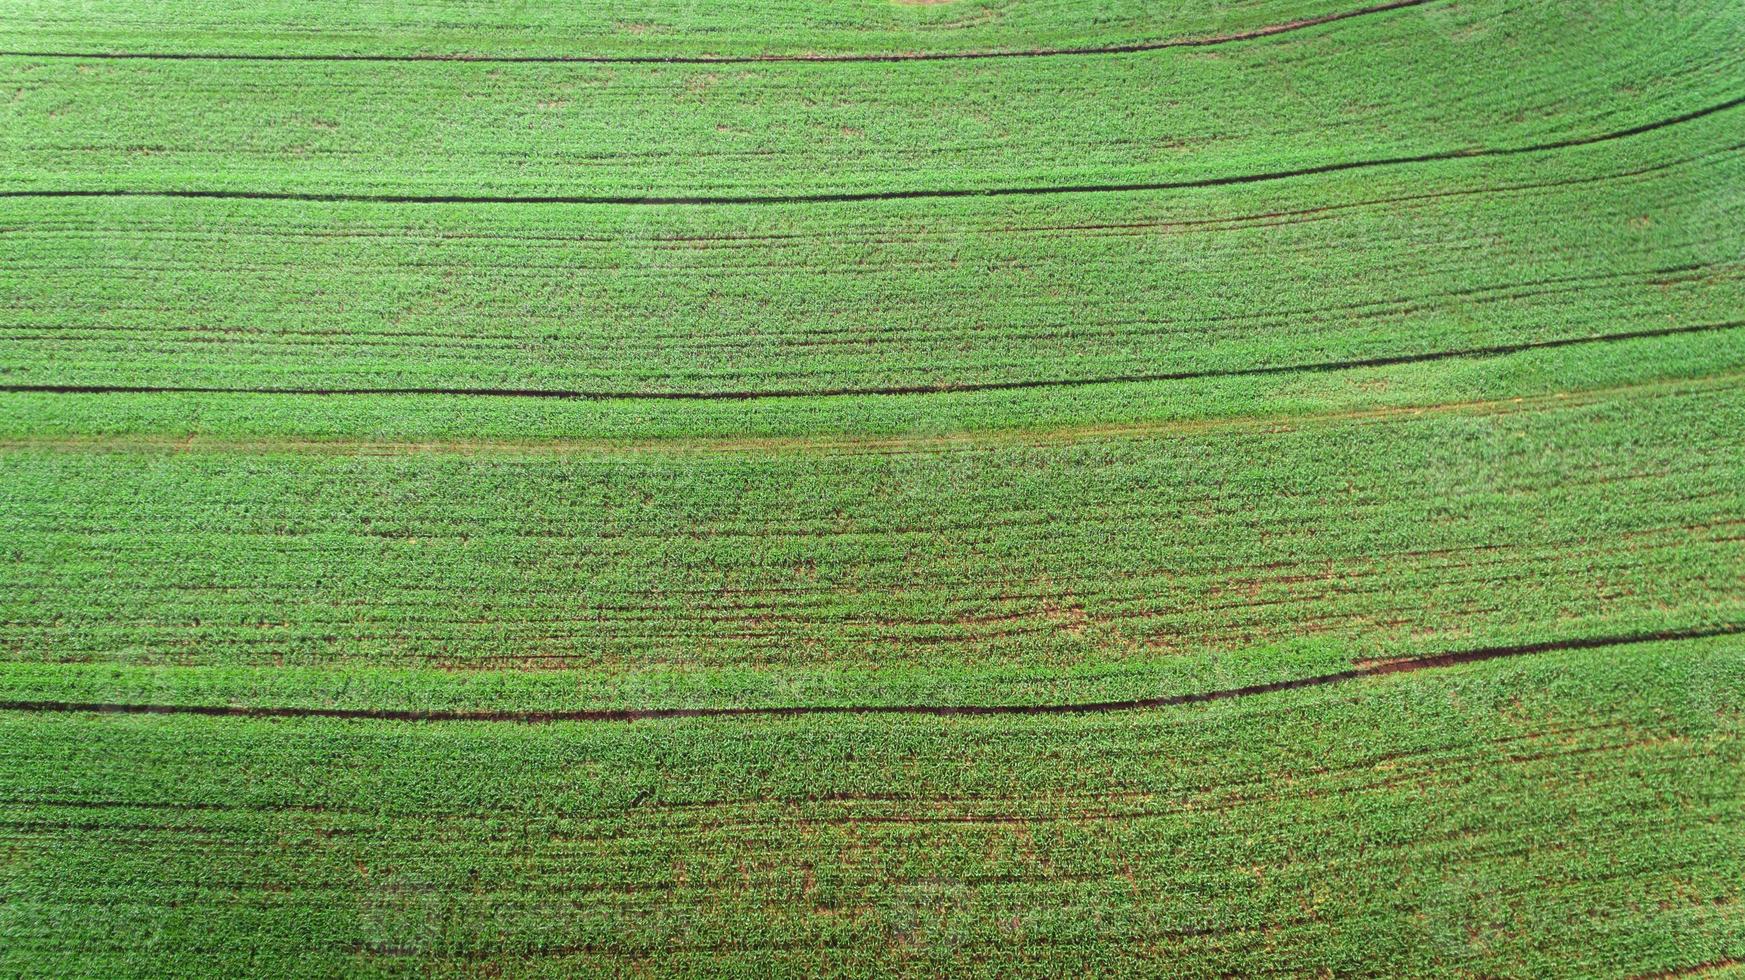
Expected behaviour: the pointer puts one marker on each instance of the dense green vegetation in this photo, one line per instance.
(1568, 815)
(1399, 530)
(1400, 84)
(1596, 240)
(649, 30)
(484, 495)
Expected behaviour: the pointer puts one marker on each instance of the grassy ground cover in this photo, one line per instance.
(1608, 511)
(1568, 815)
(582, 30)
(1630, 236)
(1324, 467)
(1352, 91)
(406, 421)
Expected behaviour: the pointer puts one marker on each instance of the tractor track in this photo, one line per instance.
(1395, 666)
(853, 197)
(884, 444)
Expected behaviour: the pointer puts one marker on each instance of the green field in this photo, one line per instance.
(938, 488)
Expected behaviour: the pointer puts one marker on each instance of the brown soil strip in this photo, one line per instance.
(1320, 367)
(850, 197)
(1430, 662)
(706, 59)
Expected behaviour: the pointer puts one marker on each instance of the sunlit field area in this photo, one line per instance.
(942, 488)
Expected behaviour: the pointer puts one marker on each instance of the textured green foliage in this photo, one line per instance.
(1402, 530)
(1571, 815)
(1466, 254)
(1399, 84)
(646, 30)
(421, 553)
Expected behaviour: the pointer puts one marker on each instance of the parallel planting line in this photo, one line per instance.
(601, 395)
(841, 444)
(850, 197)
(1232, 219)
(1186, 42)
(1374, 669)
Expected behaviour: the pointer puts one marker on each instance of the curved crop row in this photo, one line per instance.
(595, 30)
(1380, 536)
(1569, 815)
(1479, 75)
(1469, 255)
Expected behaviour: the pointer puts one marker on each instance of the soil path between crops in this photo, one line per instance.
(1209, 40)
(851, 444)
(851, 197)
(1394, 360)
(1371, 669)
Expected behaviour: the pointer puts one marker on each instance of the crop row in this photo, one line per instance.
(869, 423)
(1556, 816)
(1478, 75)
(1589, 241)
(599, 29)
(1375, 536)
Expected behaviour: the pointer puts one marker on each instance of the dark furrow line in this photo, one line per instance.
(911, 235)
(1393, 360)
(850, 197)
(1429, 662)
(1269, 30)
